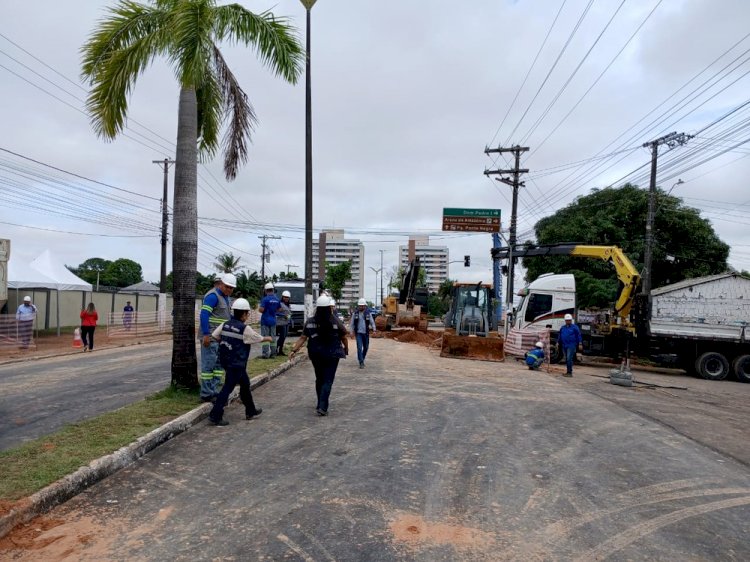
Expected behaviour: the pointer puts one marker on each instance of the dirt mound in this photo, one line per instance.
(420, 338)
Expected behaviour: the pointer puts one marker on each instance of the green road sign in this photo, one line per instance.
(484, 213)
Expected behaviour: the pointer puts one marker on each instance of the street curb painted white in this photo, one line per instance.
(73, 484)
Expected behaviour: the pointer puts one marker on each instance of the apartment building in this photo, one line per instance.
(333, 247)
(434, 260)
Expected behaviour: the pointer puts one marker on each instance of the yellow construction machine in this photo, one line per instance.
(470, 325)
(409, 308)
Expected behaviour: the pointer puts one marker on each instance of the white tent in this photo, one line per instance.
(45, 272)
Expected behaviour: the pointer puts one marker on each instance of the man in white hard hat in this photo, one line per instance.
(235, 337)
(535, 357)
(269, 305)
(283, 315)
(571, 341)
(25, 315)
(360, 325)
(214, 312)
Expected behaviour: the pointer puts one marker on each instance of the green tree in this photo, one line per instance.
(227, 263)
(337, 276)
(291, 276)
(91, 270)
(686, 245)
(121, 273)
(248, 287)
(187, 33)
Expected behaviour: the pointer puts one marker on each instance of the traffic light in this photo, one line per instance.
(467, 261)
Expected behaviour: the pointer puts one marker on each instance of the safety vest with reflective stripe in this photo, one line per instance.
(219, 313)
(233, 351)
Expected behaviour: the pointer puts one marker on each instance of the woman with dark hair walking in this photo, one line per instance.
(89, 318)
(327, 343)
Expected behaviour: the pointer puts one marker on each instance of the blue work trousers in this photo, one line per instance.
(570, 355)
(211, 371)
(235, 376)
(325, 372)
(363, 344)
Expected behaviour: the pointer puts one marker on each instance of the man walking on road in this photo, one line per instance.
(214, 312)
(360, 325)
(571, 341)
(25, 316)
(268, 307)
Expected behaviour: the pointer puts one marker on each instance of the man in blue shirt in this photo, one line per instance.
(25, 316)
(269, 305)
(570, 339)
(535, 357)
(127, 316)
(214, 312)
(360, 325)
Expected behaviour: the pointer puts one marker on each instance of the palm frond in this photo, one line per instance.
(275, 40)
(241, 118)
(116, 53)
(210, 101)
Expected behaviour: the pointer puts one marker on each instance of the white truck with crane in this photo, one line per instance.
(701, 325)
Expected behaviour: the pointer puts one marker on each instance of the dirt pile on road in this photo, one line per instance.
(427, 339)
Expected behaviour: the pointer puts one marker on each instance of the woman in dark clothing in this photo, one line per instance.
(326, 344)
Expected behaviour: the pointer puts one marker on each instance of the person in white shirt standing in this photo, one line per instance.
(25, 316)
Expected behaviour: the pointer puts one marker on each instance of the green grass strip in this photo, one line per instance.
(32, 466)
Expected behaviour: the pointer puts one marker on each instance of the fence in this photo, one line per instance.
(137, 324)
(16, 333)
(519, 342)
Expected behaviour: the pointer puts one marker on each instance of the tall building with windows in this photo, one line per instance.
(333, 248)
(434, 260)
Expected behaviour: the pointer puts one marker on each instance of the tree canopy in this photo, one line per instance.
(227, 263)
(119, 273)
(685, 244)
(336, 276)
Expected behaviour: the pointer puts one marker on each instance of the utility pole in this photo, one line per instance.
(516, 171)
(381, 277)
(671, 140)
(164, 220)
(265, 257)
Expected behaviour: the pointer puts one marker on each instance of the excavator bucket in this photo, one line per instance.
(488, 348)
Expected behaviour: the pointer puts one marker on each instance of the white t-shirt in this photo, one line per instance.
(248, 336)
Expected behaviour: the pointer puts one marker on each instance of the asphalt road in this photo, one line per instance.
(421, 458)
(38, 397)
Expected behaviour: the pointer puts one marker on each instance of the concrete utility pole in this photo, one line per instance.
(265, 257)
(164, 220)
(671, 140)
(381, 276)
(515, 184)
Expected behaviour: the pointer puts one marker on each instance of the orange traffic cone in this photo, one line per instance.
(77, 343)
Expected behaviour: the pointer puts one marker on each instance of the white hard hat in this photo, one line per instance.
(229, 280)
(361, 302)
(568, 317)
(286, 294)
(323, 300)
(539, 344)
(268, 287)
(27, 298)
(241, 304)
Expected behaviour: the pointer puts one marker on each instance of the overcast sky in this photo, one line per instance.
(406, 95)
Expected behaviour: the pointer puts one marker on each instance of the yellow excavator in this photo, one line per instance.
(471, 326)
(409, 308)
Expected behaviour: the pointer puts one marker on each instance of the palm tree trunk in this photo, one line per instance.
(185, 243)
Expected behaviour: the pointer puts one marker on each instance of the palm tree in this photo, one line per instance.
(187, 34)
(227, 263)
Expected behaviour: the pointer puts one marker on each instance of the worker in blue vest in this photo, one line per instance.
(535, 357)
(214, 312)
(234, 339)
(269, 305)
(360, 325)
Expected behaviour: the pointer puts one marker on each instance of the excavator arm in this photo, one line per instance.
(626, 271)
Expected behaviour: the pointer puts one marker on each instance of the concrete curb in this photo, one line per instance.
(78, 352)
(73, 484)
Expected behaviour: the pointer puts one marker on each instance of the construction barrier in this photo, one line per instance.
(16, 333)
(138, 324)
(518, 342)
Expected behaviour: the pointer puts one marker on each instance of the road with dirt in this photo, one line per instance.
(424, 458)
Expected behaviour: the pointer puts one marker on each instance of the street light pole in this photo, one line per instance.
(381, 277)
(375, 302)
(308, 4)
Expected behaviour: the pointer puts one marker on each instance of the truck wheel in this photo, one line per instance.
(741, 368)
(712, 366)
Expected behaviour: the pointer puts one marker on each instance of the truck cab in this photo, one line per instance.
(297, 302)
(545, 301)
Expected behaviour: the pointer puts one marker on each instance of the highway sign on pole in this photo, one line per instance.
(471, 220)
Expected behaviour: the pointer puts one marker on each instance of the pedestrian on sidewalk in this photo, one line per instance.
(283, 315)
(25, 315)
(127, 316)
(234, 339)
(268, 308)
(327, 342)
(571, 341)
(214, 312)
(89, 318)
(360, 325)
